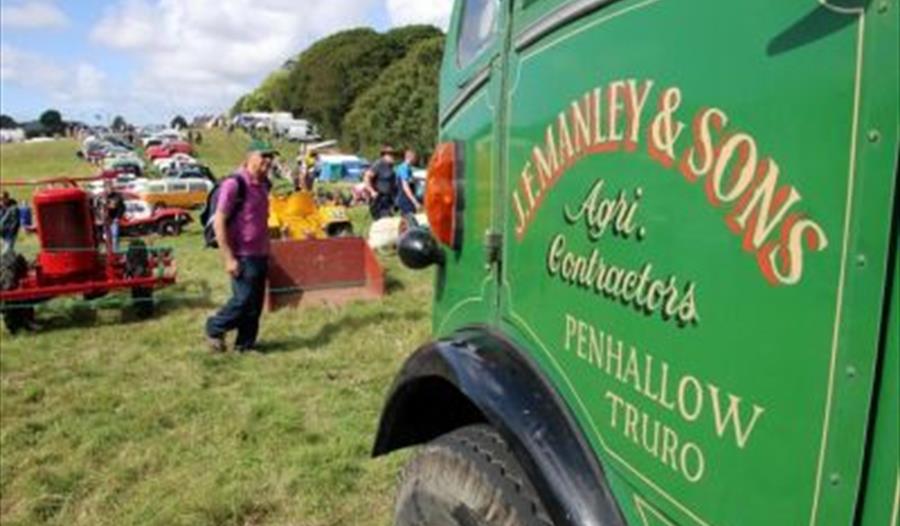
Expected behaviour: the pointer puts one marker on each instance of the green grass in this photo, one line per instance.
(33, 161)
(109, 420)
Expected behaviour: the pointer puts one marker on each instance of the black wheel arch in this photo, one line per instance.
(477, 375)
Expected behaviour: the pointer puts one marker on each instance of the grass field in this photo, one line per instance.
(108, 420)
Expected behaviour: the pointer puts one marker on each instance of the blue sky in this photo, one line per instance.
(151, 59)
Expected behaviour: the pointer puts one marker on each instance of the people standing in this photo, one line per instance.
(115, 211)
(381, 182)
(9, 223)
(307, 170)
(241, 226)
(406, 195)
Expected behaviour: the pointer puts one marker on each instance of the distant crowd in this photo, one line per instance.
(388, 186)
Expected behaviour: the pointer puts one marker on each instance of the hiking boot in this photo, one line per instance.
(216, 345)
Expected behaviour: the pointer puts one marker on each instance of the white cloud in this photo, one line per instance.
(81, 84)
(192, 56)
(435, 12)
(34, 14)
(200, 55)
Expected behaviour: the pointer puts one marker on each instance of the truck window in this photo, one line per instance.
(479, 21)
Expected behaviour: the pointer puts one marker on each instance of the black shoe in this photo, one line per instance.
(249, 349)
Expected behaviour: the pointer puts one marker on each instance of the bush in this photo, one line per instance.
(401, 107)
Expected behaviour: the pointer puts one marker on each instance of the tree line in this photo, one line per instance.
(362, 87)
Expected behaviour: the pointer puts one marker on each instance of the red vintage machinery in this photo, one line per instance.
(74, 260)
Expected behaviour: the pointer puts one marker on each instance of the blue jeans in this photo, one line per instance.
(114, 234)
(9, 243)
(243, 310)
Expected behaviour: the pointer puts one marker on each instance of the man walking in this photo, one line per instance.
(241, 227)
(381, 182)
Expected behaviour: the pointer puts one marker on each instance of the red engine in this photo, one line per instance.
(65, 227)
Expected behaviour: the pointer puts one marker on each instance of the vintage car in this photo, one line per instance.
(141, 219)
(122, 180)
(125, 164)
(667, 291)
(182, 147)
(178, 193)
(192, 171)
(167, 165)
(160, 151)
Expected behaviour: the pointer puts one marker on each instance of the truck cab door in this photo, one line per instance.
(697, 205)
(471, 77)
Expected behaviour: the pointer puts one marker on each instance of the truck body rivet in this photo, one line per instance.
(874, 136)
(834, 479)
(851, 371)
(883, 6)
(861, 261)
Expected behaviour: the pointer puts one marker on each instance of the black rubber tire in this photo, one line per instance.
(169, 228)
(137, 259)
(467, 478)
(13, 268)
(17, 318)
(137, 265)
(340, 230)
(142, 303)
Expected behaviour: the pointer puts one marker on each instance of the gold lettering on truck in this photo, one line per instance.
(726, 162)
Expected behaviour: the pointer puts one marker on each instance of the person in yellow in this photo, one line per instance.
(309, 170)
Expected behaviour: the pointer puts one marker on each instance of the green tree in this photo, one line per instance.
(119, 124)
(406, 37)
(238, 106)
(328, 77)
(276, 90)
(256, 101)
(401, 106)
(52, 121)
(7, 122)
(179, 123)
(322, 83)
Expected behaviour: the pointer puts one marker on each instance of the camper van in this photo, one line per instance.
(665, 242)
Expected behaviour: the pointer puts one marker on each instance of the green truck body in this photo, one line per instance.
(685, 215)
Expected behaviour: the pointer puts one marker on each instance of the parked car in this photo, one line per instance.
(167, 165)
(183, 147)
(141, 218)
(193, 171)
(157, 152)
(161, 137)
(181, 193)
(123, 181)
(124, 164)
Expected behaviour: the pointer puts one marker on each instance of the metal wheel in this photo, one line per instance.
(169, 228)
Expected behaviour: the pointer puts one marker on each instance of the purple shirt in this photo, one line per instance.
(248, 230)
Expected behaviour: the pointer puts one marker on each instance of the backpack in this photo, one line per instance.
(212, 203)
(208, 215)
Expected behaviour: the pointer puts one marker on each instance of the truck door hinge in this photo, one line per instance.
(493, 242)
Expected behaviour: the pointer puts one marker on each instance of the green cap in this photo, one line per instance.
(262, 147)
